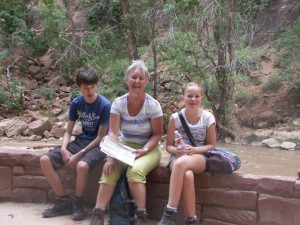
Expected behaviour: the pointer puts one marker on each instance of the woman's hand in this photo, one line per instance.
(109, 166)
(139, 153)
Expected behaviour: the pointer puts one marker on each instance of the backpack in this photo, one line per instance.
(121, 207)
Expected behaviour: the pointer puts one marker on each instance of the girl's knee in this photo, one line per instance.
(189, 176)
(179, 164)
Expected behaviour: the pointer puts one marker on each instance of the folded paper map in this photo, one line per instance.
(117, 150)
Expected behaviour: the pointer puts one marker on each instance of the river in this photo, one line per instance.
(262, 161)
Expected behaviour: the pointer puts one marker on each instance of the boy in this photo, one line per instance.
(92, 110)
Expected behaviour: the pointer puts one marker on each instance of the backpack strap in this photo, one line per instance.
(186, 128)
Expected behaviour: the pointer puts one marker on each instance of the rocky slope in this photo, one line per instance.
(46, 96)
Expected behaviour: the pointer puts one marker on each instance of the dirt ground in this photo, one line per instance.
(30, 214)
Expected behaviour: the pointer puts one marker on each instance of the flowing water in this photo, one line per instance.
(262, 161)
(255, 160)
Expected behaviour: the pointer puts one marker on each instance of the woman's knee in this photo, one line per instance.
(136, 175)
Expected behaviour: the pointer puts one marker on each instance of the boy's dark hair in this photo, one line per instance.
(87, 76)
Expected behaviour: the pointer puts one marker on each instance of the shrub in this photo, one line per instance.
(254, 138)
(273, 84)
(48, 93)
(245, 98)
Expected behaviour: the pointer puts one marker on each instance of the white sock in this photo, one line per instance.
(172, 208)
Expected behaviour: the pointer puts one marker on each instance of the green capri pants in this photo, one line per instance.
(141, 167)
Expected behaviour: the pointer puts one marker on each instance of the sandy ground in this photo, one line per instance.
(12, 213)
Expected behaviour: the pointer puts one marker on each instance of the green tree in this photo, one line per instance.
(202, 43)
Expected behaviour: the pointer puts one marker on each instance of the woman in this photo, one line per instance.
(138, 119)
(186, 159)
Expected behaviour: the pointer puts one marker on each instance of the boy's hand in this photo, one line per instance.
(66, 156)
(74, 160)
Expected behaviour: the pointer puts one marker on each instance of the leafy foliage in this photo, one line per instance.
(289, 46)
(274, 83)
(114, 78)
(11, 98)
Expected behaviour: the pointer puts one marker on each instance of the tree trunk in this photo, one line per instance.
(129, 31)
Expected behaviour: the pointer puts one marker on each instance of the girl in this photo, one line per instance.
(186, 159)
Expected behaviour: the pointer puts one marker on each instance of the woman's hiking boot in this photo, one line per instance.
(62, 206)
(78, 213)
(97, 217)
(169, 217)
(191, 221)
(141, 217)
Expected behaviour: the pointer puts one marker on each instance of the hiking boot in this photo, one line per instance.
(141, 217)
(62, 206)
(169, 217)
(78, 213)
(97, 217)
(191, 221)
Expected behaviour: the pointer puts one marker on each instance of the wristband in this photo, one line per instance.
(83, 151)
(146, 149)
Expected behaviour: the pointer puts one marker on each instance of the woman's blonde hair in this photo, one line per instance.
(137, 64)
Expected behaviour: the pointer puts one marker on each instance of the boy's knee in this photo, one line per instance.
(82, 166)
(44, 159)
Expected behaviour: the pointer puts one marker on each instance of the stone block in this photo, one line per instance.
(297, 189)
(18, 170)
(34, 170)
(19, 158)
(215, 222)
(6, 182)
(27, 181)
(157, 191)
(245, 200)
(278, 186)
(29, 195)
(155, 207)
(237, 181)
(159, 175)
(204, 180)
(278, 210)
(235, 216)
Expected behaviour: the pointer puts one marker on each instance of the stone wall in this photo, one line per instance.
(221, 199)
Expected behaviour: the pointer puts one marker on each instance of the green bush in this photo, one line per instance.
(48, 92)
(244, 98)
(273, 84)
(11, 98)
(114, 78)
(294, 140)
(255, 138)
(3, 96)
